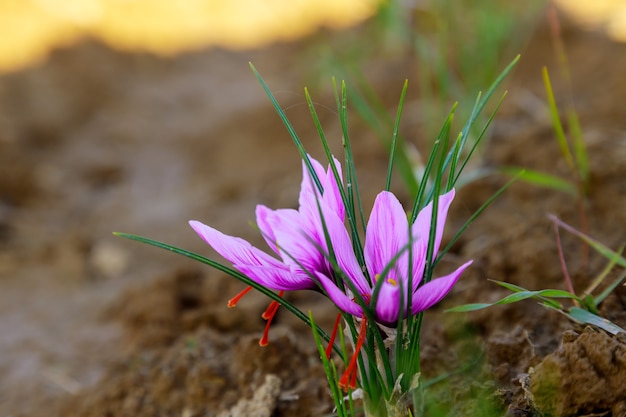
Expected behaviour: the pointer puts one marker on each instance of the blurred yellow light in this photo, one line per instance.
(30, 28)
(609, 15)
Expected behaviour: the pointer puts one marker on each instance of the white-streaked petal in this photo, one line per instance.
(387, 234)
(342, 248)
(264, 220)
(387, 305)
(421, 227)
(431, 293)
(277, 279)
(338, 297)
(234, 249)
(298, 243)
(308, 187)
(332, 195)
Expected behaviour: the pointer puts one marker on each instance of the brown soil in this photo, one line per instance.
(95, 141)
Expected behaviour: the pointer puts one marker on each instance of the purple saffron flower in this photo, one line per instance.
(300, 238)
(294, 235)
(386, 238)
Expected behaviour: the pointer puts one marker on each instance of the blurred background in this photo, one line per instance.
(139, 115)
(33, 28)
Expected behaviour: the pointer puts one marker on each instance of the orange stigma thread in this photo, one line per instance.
(233, 301)
(333, 335)
(268, 315)
(348, 379)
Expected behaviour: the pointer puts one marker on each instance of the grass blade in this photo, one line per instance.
(394, 137)
(232, 272)
(556, 121)
(599, 247)
(541, 179)
(585, 317)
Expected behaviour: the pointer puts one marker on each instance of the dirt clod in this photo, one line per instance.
(585, 375)
(262, 404)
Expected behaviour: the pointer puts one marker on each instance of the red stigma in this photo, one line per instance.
(233, 301)
(333, 335)
(268, 315)
(348, 379)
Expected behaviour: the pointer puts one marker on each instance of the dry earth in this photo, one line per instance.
(94, 141)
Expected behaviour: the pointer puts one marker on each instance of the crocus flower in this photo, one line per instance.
(294, 235)
(387, 258)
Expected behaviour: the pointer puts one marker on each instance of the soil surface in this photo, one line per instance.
(94, 141)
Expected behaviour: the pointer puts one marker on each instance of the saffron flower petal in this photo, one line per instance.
(331, 195)
(387, 306)
(431, 293)
(295, 239)
(264, 217)
(317, 253)
(277, 279)
(422, 222)
(386, 235)
(295, 235)
(421, 232)
(234, 249)
(342, 248)
(387, 258)
(338, 297)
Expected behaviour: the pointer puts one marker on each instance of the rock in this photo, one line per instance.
(262, 403)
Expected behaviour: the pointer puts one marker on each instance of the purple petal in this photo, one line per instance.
(309, 192)
(421, 233)
(308, 188)
(387, 233)
(234, 249)
(388, 304)
(332, 195)
(431, 293)
(421, 227)
(338, 297)
(342, 248)
(277, 279)
(264, 217)
(298, 242)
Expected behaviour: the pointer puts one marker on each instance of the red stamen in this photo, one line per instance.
(348, 379)
(268, 315)
(331, 343)
(270, 310)
(233, 301)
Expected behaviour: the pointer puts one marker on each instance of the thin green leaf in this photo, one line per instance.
(350, 213)
(541, 179)
(331, 372)
(232, 272)
(378, 119)
(556, 121)
(589, 303)
(472, 218)
(599, 247)
(430, 249)
(480, 104)
(394, 137)
(468, 307)
(544, 297)
(480, 137)
(608, 290)
(604, 273)
(289, 126)
(580, 150)
(515, 297)
(585, 317)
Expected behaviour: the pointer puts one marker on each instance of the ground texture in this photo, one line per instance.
(94, 141)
